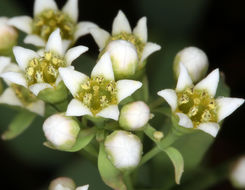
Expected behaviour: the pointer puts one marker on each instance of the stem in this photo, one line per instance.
(156, 103)
(149, 155)
(128, 181)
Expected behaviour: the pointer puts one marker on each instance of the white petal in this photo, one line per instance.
(111, 112)
(37, 107)
(77, 108)
(126, 87)
(83, 28)
(210, 128)
(41, 5)
(74, 53)
(72, 79)
(210, 83)
(23, 23)
(184, 120)
(36, 88)
(103, 68)
(34, 40)
(149, 49)
(170, 96)
(54, 43)
(100, 36)
(4, 61)
(84, 187)
(9, 97)
(141, 30)
(23, 56)
(15, 77)
(71, 9)
(120, 24)
(227, 106)
(184, 79)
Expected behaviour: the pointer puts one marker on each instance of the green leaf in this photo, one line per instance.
(178, 162)
(110, 175)
(20, 123)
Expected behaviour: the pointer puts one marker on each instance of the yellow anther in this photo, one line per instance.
(197, 101)
(30, 71)
(48, 56)
(52, 23)
(193, 111)
(96, 88)
(99, 79)
(86, 85)
(66, 27)
(206, 116)
(48, 14)
(33, 62)
(184, 99)
(39, 76)
(87, 98)
(55, 61)
(189, 90)
(39, 22)
(212, 105)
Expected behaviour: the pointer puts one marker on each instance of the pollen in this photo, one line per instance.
(198, 105)
(49, 20)
(97, 93)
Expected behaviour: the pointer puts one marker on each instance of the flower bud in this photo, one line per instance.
(124, 58)
(134, 116)
(61, 131)
(124, 149)
(237, 175)
(195, 61)
(62, 183)
(8, 36)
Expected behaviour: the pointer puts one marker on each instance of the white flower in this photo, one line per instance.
(39, 72)
(16, 95)
(65, 183)
(237, 175)
(124, 149)
(99, 95)
(47, 18)
(61, 131)
(195, 60)
(134, 116)
(196, 106)
(121, 30)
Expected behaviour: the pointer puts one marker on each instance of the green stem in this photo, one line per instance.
(149, 155)
(157, 102)
(128, 181)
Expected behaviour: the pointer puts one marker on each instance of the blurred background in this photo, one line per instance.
(217, 27)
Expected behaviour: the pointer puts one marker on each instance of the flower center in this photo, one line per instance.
(97, 94)
(198, 105)
(44, 69)
(132, 39)
(49, 20)
(24, 95)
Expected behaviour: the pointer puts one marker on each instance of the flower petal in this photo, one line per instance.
(72, 79)
(74, 53)
(15, 77)
(126, 87)
(4, 61)
(184, 120)
(83, 28)
(66, 44)
(210, 83)
(77, 108)
(34, 40)
(9, 97)
(170, 96)
(227, 106)
(84, 187)
(54, 43)
(100, 36)
(103, 68)
(71, 9)
(23, 56)
(149, 49)
(41, 5)
(184, 79)
(120, 24)
(210, 128)
(38, 87)
(23, 23)
(37, 107)
(141, 29)
(111, 112)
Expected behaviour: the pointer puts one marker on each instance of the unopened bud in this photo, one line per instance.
(61, 131)
(124, 58)
(62, 183)
(124, 149)
(134, 116)
(195, 61)
(158, 135)
(237, 175)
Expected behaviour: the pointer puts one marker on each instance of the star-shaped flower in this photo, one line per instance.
(99, 95)
(47, 18)
(40, 70)
(196, 106)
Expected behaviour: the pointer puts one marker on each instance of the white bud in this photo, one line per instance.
(61, 131)
(195, 61)
(124, 58)
(124, 149)
(62, 183)
(134, 116)
(237, 175)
